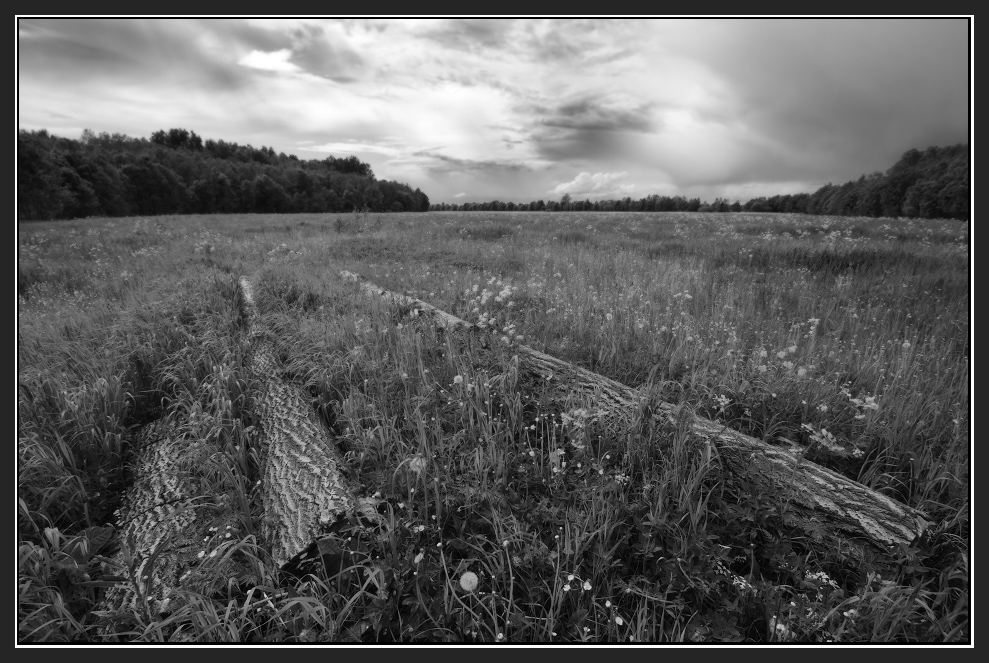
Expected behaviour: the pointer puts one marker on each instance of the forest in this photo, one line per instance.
(933, 184)
(177, 172)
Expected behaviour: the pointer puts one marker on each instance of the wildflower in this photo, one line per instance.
(788, 365)
(468, 581)
(801, 372)
(781, 354)
(906, 345)
(587, 586)
(607, 604)
(570, 577)
(619, 620)
(822, 407)
(609, 317)
(762, 369)
(763, 354)
(458, 379)
(418, 557)
(791, 349)
(566, 587)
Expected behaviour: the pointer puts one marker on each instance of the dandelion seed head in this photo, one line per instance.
(468, 581)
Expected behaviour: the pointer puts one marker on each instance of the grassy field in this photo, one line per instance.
(503, 526)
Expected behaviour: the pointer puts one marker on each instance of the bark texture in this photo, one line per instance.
(305, 488)
(829, 508)
(166, 522)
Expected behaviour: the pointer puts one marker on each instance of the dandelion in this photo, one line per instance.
(458, 379)
(468, 581)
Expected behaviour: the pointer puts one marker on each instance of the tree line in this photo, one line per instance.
(177, 172)
(933, 184)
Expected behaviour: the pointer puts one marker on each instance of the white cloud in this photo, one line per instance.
(460, 195)
(273, 61)
(596, 185)
(350, 148)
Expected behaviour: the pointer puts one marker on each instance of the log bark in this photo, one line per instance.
(829, 508)
(305, 487)
(167, 525)
(164, 520)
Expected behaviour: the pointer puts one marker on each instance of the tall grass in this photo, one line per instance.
(823, 331)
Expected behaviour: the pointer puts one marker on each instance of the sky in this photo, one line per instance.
(521, 110)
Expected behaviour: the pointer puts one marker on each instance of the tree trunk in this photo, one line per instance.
(303, 476)
(166, 523)
(832, 510)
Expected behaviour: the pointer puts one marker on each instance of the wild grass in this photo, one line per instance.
(500, 527)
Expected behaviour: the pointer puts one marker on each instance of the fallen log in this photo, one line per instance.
(165, 526)
(305, 487)
(832, 510)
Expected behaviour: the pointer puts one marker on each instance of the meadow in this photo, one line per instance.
(501, 523)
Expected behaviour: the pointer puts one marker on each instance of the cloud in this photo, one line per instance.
(597, 185)
(324, 52)
(592, 127)
(438, 163)
(609, 113)
(351, 148)
(471, 35)
(277, 61)
(137, 52)
(459, 195)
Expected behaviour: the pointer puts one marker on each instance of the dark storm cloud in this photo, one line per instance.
(314, 52)
(437, 163)
(591, 114)
(590, 127)
(123, 51)
(842, 97)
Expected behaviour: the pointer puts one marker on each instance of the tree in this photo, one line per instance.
(153, 189)
(40, 193)
(269, 196)
(422, 201)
